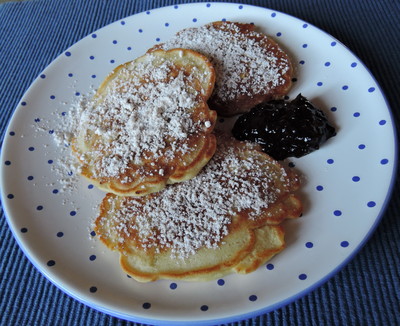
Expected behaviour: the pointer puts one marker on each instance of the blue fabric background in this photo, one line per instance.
(365, 292)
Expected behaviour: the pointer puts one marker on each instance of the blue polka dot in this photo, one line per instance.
(10, 196)
(319, 83)
(93, 233)
(345, 87)
(273, 14)
(166, 24)
(208, 5)
(7, 162)
(55, 191)
(240, 7)
(221, 282)
(70, 75)
(140, 30)
(354, 64)
(23, 103)
(37, 120)
(90, 186)
(333, 109)
(173, 286)
(30, 178)
(91, 57)
(146, 305)
(92, 257)
(253, 298)
(76, 94)
(122, 22)
(361, 146)
(158, 39)
(115, 42)
(327, 64)
(344, 244)
(330, 161)
(24, 230)
(93, 76)
(305, 25)
(72, 213)
(302, 62)
(279, 34)
(176, 7)
(129, 48)
(112, 61)
(371, 204)
(194, 20)
(333, 43)
(51, 263)
(305, 46)
(356, 178)
(31, 149)
(319, 188)
(94, 35)
(337, 212)
(371, 89)
(93, 289)
(50, 161)
(270, 267)
(382, 122)
(384, 161)
(148, 12)
(356, 114)
(302, 277)
(68, 54)
(309, 244)
(39, 208)
(12, 133)
(204, 308)
(60, 234)
(52, 97)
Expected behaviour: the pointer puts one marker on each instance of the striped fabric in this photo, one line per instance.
(365, 292)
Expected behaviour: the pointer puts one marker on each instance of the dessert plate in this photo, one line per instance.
(346, 183)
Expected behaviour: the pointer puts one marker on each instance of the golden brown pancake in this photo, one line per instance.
(149, 124)
(223, 220)
(251, 67)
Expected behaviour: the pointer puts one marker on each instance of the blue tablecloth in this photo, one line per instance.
(365, 292)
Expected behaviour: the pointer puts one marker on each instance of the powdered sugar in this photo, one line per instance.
(144, 114)
(197, 213)
(245, 64)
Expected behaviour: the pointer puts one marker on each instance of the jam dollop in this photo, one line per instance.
(285, 129)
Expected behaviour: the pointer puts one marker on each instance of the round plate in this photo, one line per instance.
(345, 189)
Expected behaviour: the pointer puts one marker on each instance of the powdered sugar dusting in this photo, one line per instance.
(245, 64)
(146, 114)
(197, 213)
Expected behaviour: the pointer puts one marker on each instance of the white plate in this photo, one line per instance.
(347, 185)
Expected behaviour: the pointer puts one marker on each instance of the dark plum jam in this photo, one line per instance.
(285, 129)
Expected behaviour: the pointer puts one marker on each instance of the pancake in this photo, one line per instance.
(226, 216)
(251, 67)
(148, 124)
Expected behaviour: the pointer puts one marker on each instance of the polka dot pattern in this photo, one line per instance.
(302, 277)
(341, 167)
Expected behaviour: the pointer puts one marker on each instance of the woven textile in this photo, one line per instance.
(366, 292)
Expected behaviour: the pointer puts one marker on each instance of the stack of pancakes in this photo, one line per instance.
(186, 201)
